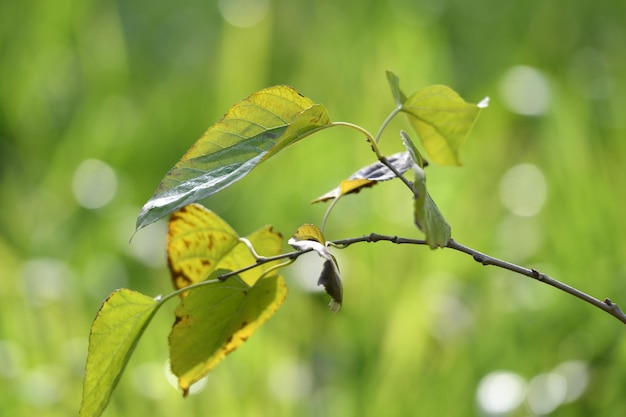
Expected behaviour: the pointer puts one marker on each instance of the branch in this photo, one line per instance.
(393, 169)
(260, 260)
(607, 305)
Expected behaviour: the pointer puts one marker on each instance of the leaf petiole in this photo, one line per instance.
(362, 130)
(328, 210)
(383, 126)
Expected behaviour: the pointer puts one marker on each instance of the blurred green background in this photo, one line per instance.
(98, 99)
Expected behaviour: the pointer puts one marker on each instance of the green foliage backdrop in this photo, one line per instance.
(99, 98)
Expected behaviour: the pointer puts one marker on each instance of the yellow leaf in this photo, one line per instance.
(197, 240)
(309, 232)
(266, 242)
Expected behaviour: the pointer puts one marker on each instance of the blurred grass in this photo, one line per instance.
(135, 83)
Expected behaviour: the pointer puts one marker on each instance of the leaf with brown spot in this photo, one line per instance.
(200, 242)
(197, 240)
(214, 320)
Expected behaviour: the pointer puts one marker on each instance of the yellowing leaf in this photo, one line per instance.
(369, 176)
(114, 335)
(309, 232)
(442, 120)
(197, 240)
(266, 242)
(214, 320)
(251, 131)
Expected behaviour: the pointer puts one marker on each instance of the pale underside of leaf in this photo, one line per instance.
(368, 176)
(310, 237)
(251, 132)
(114, 334)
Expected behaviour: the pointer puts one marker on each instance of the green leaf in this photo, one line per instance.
(214, 320)
(442, 120)
(394, 85)
(251, 132)
(114, 335)
(426, 214)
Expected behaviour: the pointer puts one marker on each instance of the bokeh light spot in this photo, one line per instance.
(523, 190)
(546, 392)
(11, 359)
(519, 237)
(525, 90)
(94, 184)
(576, 374)
(243, 13)
(41, 387)
(500, 392)
(45, 280)
(103, 273)
(290, 380)
(148, 380)
(148, 245)
(195, 388)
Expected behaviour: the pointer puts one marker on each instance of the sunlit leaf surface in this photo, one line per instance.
(252, 131)
(442, 120)
(114, 334)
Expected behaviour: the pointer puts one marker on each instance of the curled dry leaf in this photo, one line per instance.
(369, 175)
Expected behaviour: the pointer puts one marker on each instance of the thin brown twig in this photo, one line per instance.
(607, 305)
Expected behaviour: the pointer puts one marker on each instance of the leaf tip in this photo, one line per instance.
(334, 306)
